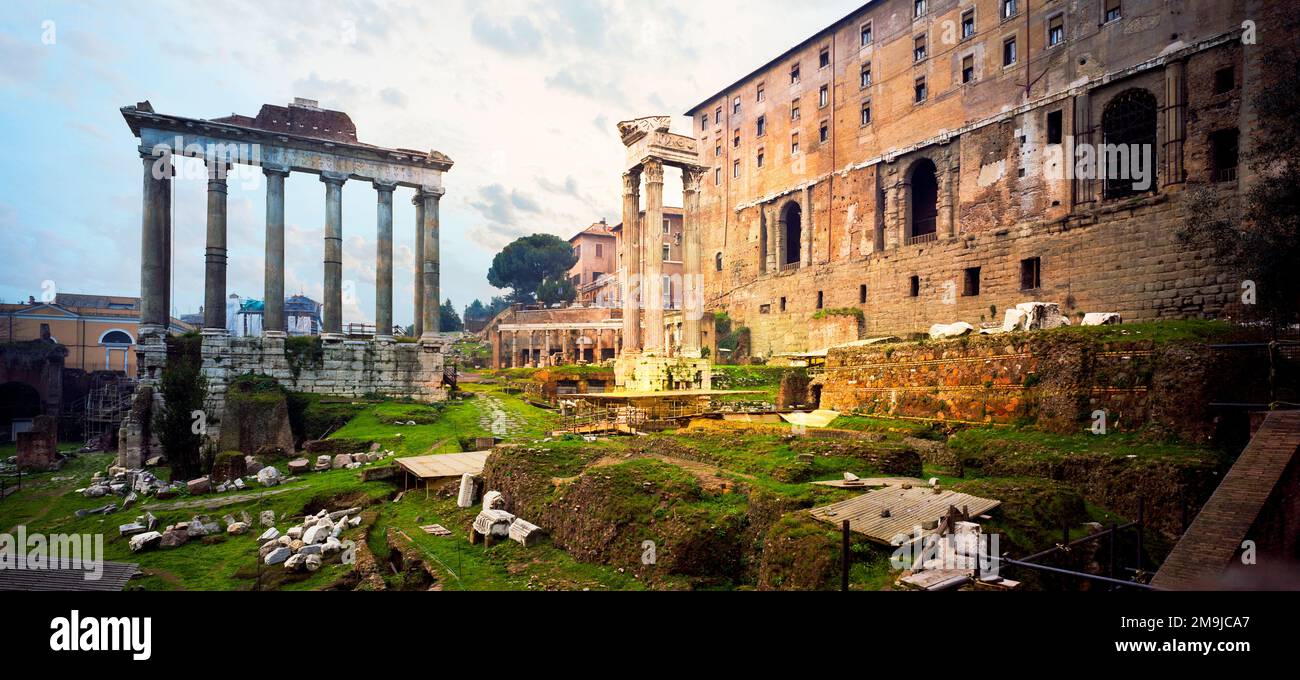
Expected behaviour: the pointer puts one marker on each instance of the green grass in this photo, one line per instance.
(976, 441)
(1190, 330)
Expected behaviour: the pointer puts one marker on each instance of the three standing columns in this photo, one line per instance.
(652, 252)
(631, 261)
(384, 262)
(214, 268)
(333, 303)
(693, 283)
(429, 258)
(155, 245)
(273, 323)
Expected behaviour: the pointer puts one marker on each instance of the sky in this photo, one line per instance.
(523, 96)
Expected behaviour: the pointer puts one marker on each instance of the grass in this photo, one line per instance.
(1046, 445)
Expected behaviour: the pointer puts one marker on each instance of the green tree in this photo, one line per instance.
(183, 390)
(523, 265)
(1258, 233)
(554, 290)
(450, 321)
(476, 311)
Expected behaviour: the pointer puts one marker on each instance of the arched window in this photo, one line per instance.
(791, 233)
(717, 262)
(923, 201)
(116, 338)
(1129, 135)
(117, 350)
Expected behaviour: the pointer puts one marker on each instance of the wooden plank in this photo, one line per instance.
(445, 464)
(908, 509)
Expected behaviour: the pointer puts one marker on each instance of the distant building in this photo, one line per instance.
(599, 258)
(244, 316)
(100, 331)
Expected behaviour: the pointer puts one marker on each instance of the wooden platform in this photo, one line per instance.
(114, 577)
(444, 464)
(872, 482)
(908, 509)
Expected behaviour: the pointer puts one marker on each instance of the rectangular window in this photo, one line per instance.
(864, 79)
(967, 23)
(765, 309)
(668, 225)
(1008, 8)
(914, 286)
(866, 33)
(794, 74)
(862, 294)
(1225, 79)
(762, 125)
(599, 250)
(823, 96)
(1056, 30)
(577, 251)
(782, 304)
(794, 110)
(717, 177)
(717, 150)
(918, 8)
(759, 159)
(1054, 132)
(735, 106)
(717, 116)
(666, 256)
(824, 132)
(704, 121)
(794, 144)
(735, 168)
(865, 117)
(1113, 12)
(920, 91)
(1031, 274)
(735, 141)
(1224, 147)
(1008, 52)
(762, 93)
(820, 299)
(918, 48)
(824, 58)
(968, 69)
(970, 284)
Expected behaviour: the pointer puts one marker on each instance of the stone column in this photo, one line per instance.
(333, 303)
(384, 262)
(155, 254)
(1175, 122)
(652, 254)
(807, 228)
(600, 345)
(1082, 187)
(546, 344)
(430, 263)
(273, 325)
(693, 267)
(418, 324)
(773, 239)
(514, 349)
(531, 360)
(631, 256)
(214, 267)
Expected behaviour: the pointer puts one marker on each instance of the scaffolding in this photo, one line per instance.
(106, 405)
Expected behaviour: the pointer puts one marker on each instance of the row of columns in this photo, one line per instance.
(155, 267)
(520, 341)
(643, 266)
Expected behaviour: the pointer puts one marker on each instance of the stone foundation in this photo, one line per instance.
(649, 373)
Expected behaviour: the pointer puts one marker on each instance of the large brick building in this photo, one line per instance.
(910, 161)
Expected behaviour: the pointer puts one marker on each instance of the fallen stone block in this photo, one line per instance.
(266, 518)
(277, 556)
(317, 534)
(237, 529)
(525, 533)
(468, 491)
(146, 541)
(201, 485)
(132, 529)
(174, 538)
(951, 330)
(341, 461)
(312, 562)
(494, 523)
(298, 466)
(269, 535)
(1101, 319)
(493, 500)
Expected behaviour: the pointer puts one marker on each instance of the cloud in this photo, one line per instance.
(393, 97)
(515, 35)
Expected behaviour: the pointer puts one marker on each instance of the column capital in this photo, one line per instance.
(632, 182)
(654, 170)
(384, 186)
(280, 170)
(692, 175)
(431, 192)
(337, 178)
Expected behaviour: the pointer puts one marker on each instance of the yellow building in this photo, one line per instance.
(100, 331)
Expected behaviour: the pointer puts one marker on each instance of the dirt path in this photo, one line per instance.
(710, 476)
(213, 502)
(494, 418)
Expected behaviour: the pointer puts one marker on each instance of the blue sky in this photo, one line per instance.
(522, 95)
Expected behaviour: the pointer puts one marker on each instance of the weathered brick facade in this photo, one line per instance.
(1001, 197)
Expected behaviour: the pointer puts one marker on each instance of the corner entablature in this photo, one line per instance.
(648, 138)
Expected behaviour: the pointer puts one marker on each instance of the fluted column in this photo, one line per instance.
(418, 323)
(1175, 128)
(155, 251)
(214, 267)
(430, 263)
(652, 253)
(384, 262)
(273, 325)
(693, 274)
(630, 276)
(333, 303)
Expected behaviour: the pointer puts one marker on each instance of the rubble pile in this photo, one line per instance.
(305, 547)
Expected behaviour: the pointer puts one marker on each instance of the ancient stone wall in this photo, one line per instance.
(1053, 380)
